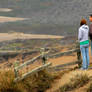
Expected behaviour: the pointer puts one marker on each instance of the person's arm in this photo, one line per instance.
(80, 34)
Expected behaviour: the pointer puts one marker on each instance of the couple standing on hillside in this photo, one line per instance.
(85, 32)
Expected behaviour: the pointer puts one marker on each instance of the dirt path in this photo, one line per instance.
(10, 19)
(15, 35)
(65, 78)
(84, 88)
(5, 10)
(59, 82)
(63, 59)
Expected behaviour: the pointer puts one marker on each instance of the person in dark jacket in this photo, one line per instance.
(90, 30)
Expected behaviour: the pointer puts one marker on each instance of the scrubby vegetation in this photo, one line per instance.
(77, 81)
(20, 44)
(36, 83)
(89, 89)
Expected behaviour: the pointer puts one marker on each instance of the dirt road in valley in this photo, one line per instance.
(10, 19)
(12, 36)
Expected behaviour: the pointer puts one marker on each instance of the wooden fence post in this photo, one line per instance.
(42, 51)
(79, 55)
(16, 64)
(16, 72)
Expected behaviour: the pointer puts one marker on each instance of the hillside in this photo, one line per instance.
(28, 26)
(49, 11)
(59, 17)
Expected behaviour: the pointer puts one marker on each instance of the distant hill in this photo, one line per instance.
(48, 12)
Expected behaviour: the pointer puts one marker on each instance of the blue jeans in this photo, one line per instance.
(85, 56)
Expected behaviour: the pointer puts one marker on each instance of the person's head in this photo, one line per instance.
(90, 17)
(83, 22)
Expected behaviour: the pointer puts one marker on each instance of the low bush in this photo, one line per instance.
(38, 82)
(75, 82)
(89, 89)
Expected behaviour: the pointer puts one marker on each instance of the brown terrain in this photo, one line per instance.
(65, 79)
(56, 61)
(15, 35)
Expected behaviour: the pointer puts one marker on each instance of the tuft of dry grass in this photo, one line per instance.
(38, 82)
(7, 84)
(75, 82)
(89, 89)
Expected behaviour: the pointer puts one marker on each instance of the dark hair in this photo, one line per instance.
(90, 15)
(82, 22)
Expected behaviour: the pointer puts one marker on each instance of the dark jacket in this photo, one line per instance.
(90, 31)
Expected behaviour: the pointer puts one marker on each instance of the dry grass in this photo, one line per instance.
(36, 83)
(7, 84)
(89, 89)
(75, 82)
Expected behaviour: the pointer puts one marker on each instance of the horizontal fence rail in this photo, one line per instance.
(63, 53)
(17, 78)
(16, 69)
(25, 51)
(28, 62)
(32, 72)
(8, 53)
(61, 67)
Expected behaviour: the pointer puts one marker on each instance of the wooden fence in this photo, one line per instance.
(78, 61)
(16, 69)
(45, 65)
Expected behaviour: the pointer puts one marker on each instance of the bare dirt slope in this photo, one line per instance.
(65, 79)
(10, 19)
(12, 36)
